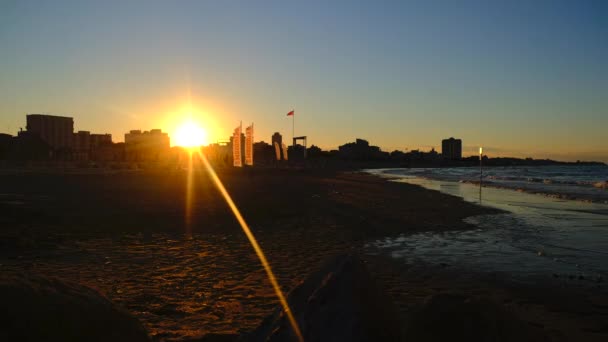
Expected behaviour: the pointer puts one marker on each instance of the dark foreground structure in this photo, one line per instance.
(38, 308)
(343, 302)
(339, 302)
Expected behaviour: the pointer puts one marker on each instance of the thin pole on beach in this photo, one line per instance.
(480, 171)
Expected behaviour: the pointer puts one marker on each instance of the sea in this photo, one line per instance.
(554, 222)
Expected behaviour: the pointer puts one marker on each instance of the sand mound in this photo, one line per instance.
(338, 303)
(47, 309)
(452, 317)
(341, 302)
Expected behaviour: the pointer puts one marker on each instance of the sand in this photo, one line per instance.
(125, 234)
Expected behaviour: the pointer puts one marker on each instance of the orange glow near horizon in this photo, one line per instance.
(191, 124)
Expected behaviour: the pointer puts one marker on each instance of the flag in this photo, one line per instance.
(236, 147)
(249, 145)
(277, 150)
(290, 113)
(285, 152)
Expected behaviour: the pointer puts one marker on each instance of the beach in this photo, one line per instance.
(127, 235)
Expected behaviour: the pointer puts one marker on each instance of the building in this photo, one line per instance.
(150, 145)
(82, 141)
(278, 138)
(81, 145)
(264, 153)
(84, 144)
(53, 137)
(5, 145)
(230, 144)
(361, 150)
(451, 149)
(108, 152)
(219, 154)
(98, 140)
(56, 131)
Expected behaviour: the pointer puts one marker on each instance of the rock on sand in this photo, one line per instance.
(35, 308)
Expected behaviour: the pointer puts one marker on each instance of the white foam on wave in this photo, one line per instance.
(583, 183)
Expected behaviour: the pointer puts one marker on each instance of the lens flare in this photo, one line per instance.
(250, 236)
(189, 190)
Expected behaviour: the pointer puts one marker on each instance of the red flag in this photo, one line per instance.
(290, 113)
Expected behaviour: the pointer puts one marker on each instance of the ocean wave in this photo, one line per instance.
(572, 183)
(546, 181)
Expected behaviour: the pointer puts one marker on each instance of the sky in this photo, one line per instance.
(521, 78)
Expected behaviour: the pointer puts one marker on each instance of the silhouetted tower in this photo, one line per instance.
(278, 138)
(451, 149)
(56, 131)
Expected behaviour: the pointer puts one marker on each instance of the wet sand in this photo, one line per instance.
(125, 234)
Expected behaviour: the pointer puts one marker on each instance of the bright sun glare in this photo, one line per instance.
(190, 134)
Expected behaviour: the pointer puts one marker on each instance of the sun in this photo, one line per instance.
(190, 134)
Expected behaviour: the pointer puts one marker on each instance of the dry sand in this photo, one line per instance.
(125, 235)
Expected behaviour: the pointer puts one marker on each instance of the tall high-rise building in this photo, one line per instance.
(56, 131)
(278, 138)
(451, 149)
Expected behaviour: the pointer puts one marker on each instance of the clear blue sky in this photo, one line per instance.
(523, 78)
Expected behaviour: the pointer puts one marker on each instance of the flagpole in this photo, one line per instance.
(293, 125)
(480, 171)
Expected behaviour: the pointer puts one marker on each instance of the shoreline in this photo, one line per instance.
(528, 187)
